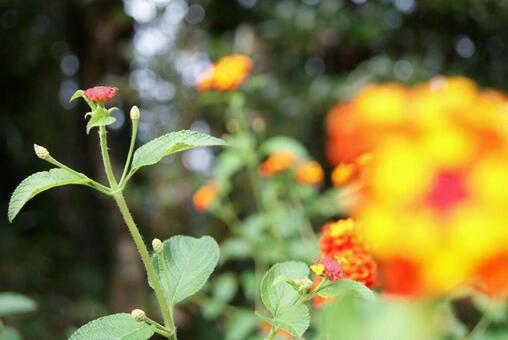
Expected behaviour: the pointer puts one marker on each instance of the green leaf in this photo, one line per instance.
(14, 303)
(77, 94)
(39, 182)
(184, 265)
(279, 297)
(9, 333)
(294, 320)
(343, 286)
(153, 151)
(114, 327)
(100, 117)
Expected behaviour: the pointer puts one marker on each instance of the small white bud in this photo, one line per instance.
(157, 245)
(41, 151)
(138, 315)
(135, 113)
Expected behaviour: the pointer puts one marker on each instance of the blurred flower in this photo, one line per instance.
(329, 268)
(226, 74)
(347, 138)
(433, 207)
(492, 276)
(310, 173)
(101, 94)
(276, 162)
(204, 197)
(343, 173)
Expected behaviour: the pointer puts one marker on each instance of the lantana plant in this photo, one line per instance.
(175, 269)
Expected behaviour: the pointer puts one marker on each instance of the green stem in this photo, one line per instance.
(160, 329)
(135, 123)
(105, 158)
(145, 257)
(93, 184)
(136, 236)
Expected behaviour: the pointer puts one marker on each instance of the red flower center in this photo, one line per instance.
(448, 190)
(101, 94)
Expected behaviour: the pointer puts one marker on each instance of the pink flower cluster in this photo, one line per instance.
(101, 94)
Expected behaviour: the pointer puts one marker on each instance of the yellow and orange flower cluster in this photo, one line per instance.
(434, 204)
(341, 241)
(226, 74)
(205, 196)
(307, 172)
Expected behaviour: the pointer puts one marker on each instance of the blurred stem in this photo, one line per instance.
(271, 334)
(134, 231)
(135, 123)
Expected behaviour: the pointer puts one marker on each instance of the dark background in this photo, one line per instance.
(68, 248)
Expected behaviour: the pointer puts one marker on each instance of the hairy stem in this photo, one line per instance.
(136, 236)
(105, 158)
(145, 257)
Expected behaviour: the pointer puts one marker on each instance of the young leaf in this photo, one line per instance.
(14, 303)
(153, 151)
(294, 320)
(39, 182)
(116, 326)
(77, 94)
(100, 117)
(280, 296)
(342, 286)
(184, 265)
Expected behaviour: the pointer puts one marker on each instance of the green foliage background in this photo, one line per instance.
(65, 250)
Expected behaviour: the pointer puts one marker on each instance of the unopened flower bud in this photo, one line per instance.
(138, 315)
(135, 113)
(41, 151)
(157, 245)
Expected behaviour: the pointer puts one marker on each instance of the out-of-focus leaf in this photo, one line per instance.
(14, 303)
(279, 143)
(224, 287)
(9, 333)
(344, 286)
(234, 249)
(116, 326)
(240, 323)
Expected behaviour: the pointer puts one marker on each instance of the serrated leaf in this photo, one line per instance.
(39, 182)
(344, 286)
(100, 117)
(281, 296)
(184, 265)
(153, 151)
(114, 327)
(77, 94)
(14, 303)
(294, 320)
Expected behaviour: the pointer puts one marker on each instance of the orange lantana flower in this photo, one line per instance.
(204, 197)
(310, 173)
(226, 74)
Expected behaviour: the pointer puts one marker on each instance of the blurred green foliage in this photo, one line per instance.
(313, 53)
